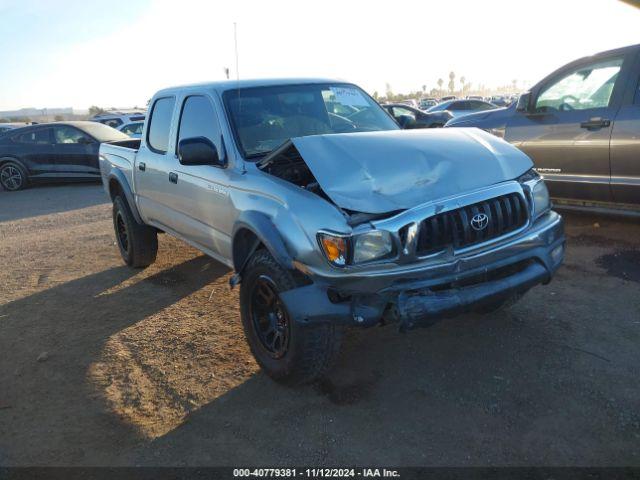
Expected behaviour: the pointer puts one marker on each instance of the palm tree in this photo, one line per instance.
(452, 81)
(440, 83)
(463, 82)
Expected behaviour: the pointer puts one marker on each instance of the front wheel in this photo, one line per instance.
(289, 352)
(138, 243)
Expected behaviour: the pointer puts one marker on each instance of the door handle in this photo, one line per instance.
(173, 177)
(595, 123)
(142, 166)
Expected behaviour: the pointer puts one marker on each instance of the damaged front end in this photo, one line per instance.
(435, 225)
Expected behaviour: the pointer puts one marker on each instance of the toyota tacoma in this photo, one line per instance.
(330, 220)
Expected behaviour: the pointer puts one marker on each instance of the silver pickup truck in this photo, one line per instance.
(328, 220)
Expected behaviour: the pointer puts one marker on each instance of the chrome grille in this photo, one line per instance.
(503, 214)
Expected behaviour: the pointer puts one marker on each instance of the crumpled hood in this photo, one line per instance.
(379, 172)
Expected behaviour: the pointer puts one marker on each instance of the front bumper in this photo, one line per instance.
(421, 296)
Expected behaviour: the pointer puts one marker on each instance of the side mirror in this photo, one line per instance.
(406, 121)
(523, 102)
(199, 151)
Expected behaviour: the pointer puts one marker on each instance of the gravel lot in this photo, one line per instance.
(104, 365)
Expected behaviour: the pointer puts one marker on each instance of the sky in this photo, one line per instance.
(117, 53)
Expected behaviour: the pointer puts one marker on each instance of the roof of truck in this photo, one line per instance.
(224, 85)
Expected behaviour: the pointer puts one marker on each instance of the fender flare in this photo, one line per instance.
(119, 177)
(263, 228)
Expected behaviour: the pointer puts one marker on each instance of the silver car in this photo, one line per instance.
(459, 108)
(330, 221)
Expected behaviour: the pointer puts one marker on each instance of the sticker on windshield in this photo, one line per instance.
(349, 96)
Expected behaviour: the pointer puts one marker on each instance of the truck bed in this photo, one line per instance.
(118, 158)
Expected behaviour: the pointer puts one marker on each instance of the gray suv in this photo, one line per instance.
(580, 126)
(330, 220)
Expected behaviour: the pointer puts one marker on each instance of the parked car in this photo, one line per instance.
(475, 97)
(447, 98)
(324, 229)
(53, 151)
(116, 119)
(133, 129)
(408, 117)
(580, 126)
(5, 127)
(459, 108)
(427, 102)
(411, 102)
(499, 101)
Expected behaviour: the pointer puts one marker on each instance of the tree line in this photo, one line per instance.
(458, 86)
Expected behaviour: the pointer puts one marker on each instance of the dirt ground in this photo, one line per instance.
(104, 365)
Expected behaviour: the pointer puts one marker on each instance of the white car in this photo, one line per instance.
(116, 119)
(133, 129)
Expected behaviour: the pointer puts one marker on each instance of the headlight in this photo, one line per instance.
(541, 202)
(342, 250)
(371, 245)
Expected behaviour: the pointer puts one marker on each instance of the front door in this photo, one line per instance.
(76, 153)
(625, 145)
(200, 194)
(566, 132)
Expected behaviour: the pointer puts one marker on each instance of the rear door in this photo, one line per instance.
(625, 144)
(36, 150)
(152, 165)
(76, 153)
(567, 131)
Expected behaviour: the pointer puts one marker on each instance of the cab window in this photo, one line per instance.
(589, 86)
(199, 119)
(160, 124)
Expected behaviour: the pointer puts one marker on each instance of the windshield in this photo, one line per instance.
(263, 118)
(103, 133)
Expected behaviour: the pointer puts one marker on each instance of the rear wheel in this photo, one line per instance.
(138, 243)
(12, 176)
(288, 351)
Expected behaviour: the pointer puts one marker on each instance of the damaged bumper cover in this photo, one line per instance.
(420, 297)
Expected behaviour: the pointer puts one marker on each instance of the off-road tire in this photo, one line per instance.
(311, 348)
(141, 240)
(9, 171)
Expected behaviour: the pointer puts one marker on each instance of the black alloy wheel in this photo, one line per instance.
(270, 318)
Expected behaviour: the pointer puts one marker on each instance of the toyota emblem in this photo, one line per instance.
(479, 222)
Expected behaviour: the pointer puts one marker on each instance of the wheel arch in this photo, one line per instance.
(252, 230)
(117, 184)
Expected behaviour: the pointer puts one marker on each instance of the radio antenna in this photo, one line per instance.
(235, 42)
